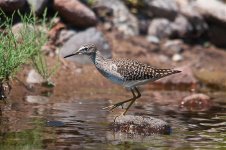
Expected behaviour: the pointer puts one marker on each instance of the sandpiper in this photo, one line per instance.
(126, 72)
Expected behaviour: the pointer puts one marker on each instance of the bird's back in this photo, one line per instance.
(135, 70)
(130, 72)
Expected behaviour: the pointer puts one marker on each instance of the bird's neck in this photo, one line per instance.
(96, 57)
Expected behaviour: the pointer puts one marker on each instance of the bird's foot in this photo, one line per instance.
(112, 107)
(122, 114)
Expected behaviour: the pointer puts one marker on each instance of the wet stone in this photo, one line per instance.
(34, 77)
(37, 99)
(140, 125)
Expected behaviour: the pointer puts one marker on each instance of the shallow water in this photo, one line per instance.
(82, 124)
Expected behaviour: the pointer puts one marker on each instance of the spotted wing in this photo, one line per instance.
(134, 70)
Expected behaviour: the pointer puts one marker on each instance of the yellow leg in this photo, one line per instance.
(112, 107)
(134, 99)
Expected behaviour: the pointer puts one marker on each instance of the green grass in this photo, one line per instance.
(24, 46)
(39, 61)
(16, 49)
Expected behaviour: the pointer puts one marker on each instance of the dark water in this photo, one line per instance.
(82, 124)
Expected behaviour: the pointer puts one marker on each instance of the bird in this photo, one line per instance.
(123, 71)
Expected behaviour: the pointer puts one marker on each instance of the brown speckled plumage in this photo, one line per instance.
(134, 70)
(126, 72)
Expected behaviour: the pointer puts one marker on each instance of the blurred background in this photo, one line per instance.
(188, 35)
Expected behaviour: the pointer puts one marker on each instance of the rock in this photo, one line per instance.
(143, 26)
(11, 5)
(186, 8)
(104, 12)
(153, 39)
(181, 27)
(185, 78)
(173, 46)
(64, 35)
(18, 29)
(91, 35)
(161, 8)
(177, 57)
(37, 99)
(217, 35)
(214, 13)
(75, 13)
(54, 32)
(163, 58)
(34, 77)
(198, 25)
(140, 125)
(196, 102)
(161, 28)
(213, 78)
(214, 9)
(38, 6)
(123, 20)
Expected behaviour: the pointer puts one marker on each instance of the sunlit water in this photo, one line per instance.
(82, 124)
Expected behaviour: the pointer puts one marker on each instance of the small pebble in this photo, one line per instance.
(177, 57)
(153, 39)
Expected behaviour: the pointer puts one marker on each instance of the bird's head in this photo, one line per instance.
(88, 49)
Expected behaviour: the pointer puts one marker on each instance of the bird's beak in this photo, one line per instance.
(76, 53)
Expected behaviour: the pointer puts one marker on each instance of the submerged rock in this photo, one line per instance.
(140, 125)
(196, 102)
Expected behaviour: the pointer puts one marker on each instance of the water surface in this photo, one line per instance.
(82, 124)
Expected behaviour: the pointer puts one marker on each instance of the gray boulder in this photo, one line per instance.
(123, 20)
(198, 25)
(214, 13)
(91, 35)
(64, 35)
(161, 28)
(181, 27)
(161, 8)
(214, 9)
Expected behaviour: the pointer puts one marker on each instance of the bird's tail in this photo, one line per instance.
(160, 73)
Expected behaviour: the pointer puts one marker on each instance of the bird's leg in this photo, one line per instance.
(111, 107)
(133, 100)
